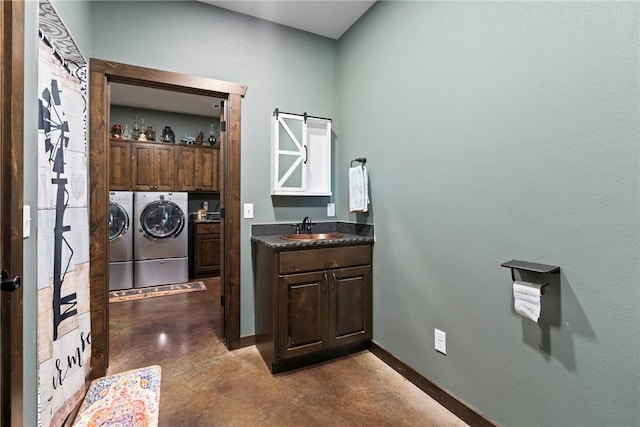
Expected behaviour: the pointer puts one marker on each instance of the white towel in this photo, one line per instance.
(358, 189)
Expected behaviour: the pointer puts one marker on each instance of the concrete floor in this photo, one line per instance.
(204, 384)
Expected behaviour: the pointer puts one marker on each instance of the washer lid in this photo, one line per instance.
(118, 221)
(161, 220)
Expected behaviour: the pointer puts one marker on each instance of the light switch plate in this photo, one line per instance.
(248, 210)
(331, 209)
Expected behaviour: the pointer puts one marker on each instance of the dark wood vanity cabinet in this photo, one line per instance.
(311, 303)
(206, 249)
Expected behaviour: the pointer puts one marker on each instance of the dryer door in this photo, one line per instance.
(118, 222)
(162, 220)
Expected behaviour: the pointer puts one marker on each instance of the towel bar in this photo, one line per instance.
(362, 160)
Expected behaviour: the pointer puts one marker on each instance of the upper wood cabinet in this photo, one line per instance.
(197, 169)
(300, 155)
(120, 165)
(153, 167)
(148, 166)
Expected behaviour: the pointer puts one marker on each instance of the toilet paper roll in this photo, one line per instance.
(526, 299)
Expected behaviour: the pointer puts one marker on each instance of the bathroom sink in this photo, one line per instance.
(308, 237)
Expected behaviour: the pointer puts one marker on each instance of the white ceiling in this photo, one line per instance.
(163, 100)
(328, 18)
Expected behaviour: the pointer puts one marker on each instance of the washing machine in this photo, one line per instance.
(160, 247)
(120, 240)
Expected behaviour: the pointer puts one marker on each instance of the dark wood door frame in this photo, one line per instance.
(11, 194)
(101, 74)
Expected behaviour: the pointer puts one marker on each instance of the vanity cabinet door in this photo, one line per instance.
(350, 305)
(302, 314)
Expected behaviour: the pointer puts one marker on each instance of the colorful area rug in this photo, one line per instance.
(155, 291)
(127, 399)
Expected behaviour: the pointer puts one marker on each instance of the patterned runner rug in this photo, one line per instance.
(155, 291)
(131, 398)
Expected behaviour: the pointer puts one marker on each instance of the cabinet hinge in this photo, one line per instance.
(222, 300)
(222, 213)
(223, 126)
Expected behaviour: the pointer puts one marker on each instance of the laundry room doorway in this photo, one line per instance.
(102, 75)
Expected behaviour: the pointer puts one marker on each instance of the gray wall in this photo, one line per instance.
(497, 131)
(76, 16)
(282, 67)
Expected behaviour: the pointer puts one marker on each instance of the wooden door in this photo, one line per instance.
(11, 201)
(302, 314)
(350, 305)
(120, 166)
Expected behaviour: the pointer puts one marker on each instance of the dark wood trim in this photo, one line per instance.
(12, 199)
(231, 222)
(141, 76)
(98, 222)
(247, 341)
(101, 74)
(442, 396)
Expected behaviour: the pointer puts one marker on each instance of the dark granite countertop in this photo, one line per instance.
(352, 234)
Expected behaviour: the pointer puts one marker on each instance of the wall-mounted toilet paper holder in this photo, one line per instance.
(531, 267)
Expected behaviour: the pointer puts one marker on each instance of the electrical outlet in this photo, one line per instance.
(331, 209)
(440, 341)
(248, 210)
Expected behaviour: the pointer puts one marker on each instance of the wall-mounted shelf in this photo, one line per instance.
(530, 266)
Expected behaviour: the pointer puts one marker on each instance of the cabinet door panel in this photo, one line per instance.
(208, 169)
(165, 168)
(187, 169)
(120, 166)
(207, 254)
(302, 314)
(142, 167)
(351, 311)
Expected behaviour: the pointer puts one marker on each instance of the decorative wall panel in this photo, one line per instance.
(64, 326)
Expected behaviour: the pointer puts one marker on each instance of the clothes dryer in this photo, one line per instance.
(161, 240)
(120, 240)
